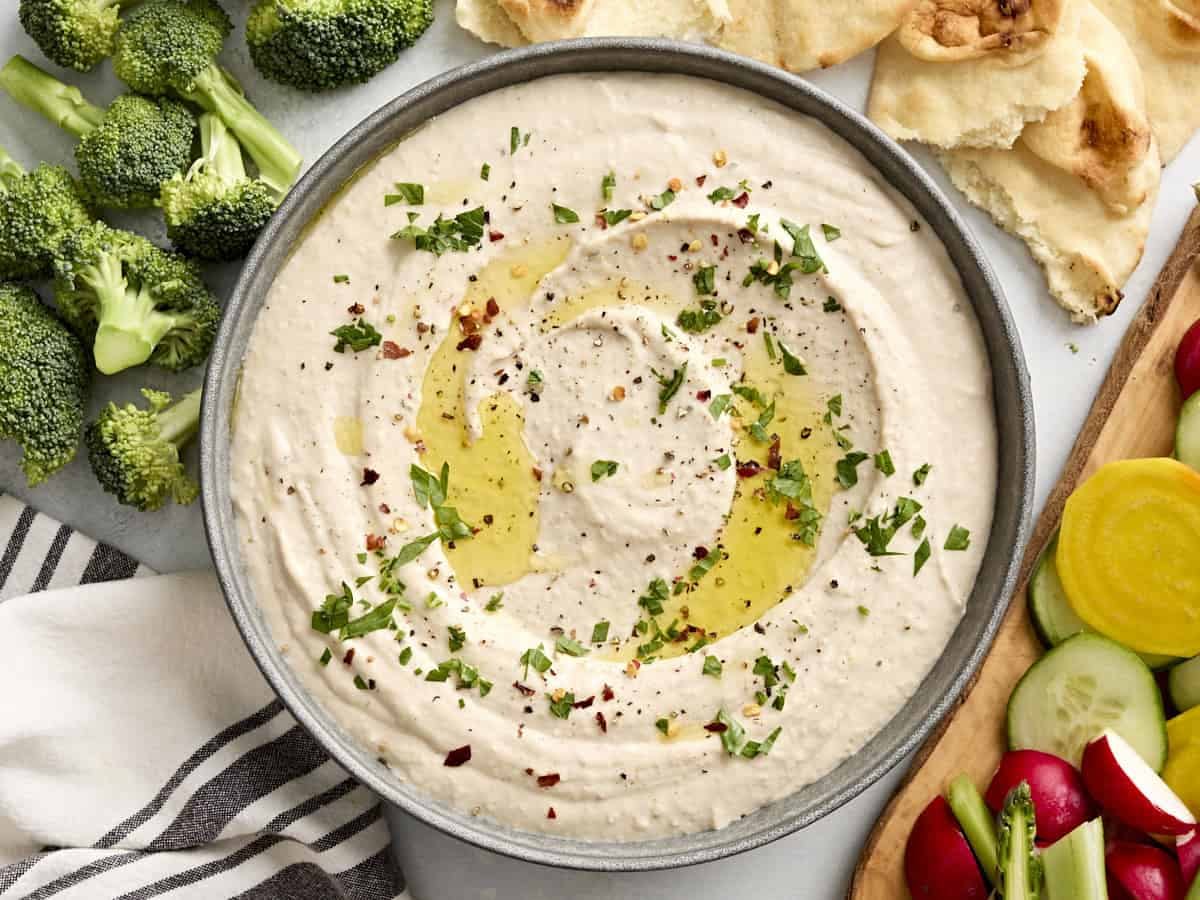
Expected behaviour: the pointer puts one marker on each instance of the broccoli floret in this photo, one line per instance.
(135, 452)
(44, 375)
(37, 209)
(171, 46)
(133, 301)
(316, 45)
(125, 152)
(216, 211)
(76, 34)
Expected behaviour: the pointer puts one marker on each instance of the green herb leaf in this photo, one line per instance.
(831, 305)
(670, 386)
(723, 461)
(325, 657)
(457, 638)
(563, 215)
(803, 247)
(461, 233)
(604, 468)
(755, 748)
(847, 468)
(721, 194)
(883, 462)
(377, 618)
(341, 279)
(758, 430)
(791, 364)
(656, 595)
(705, 280)
(561, 708)
(361, 684)
(921, 557)
(413, 549)
(719, 404)
(712, 666)
(702, 566)
(921, 474)
(918, 527)
(600, 632)
(429, 489)
(534, 380)
(769, 343)
(358, 337)
(495, 603)
(958, 539)
(334, 612)
(831, 233)
(698, 321)
(616, 216)
(406, 656)
(607, 185)
(407, 192)
(663, 200)
(537, 658)
(485, 171)
(747, 392)
(514, 140)
(663, 725)
(570, 647)
(733, 735)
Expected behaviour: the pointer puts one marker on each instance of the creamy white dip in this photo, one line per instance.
(614, 479)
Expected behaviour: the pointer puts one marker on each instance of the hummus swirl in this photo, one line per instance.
(717, 435)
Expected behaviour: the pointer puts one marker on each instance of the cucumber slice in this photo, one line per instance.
(1187, 433)
(1074, 865)
(1184, 684)
(1053, 618)
(1084, 685)
(976, 821)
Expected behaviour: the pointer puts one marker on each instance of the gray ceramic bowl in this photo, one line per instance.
(1014, 415)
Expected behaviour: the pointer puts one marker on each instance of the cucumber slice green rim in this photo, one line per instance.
(1187, 433)
(1053, 618)
(1082, 686)
(1184, 684)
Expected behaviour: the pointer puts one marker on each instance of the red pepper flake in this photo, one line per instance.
(458, 756)
(746, 235)
(601, 222)
(349, 657)
(492, 307)
(752, 325)
(529, 771)
(551, 814)
(537, 473)
(468, 323)
(356, 310)
(607, 694)
(791, 513)
(748, 469)
(525, 691)
(392, 350)
(741, 200)
(370, 476)
(470, 342)
(494, 236)
(699, 553)
(385, 509)
(716, 241)
(700, 179)
(703, 396)
(584, 704)
(550, 780)
(774, 455)
(672, 257)
(602, 722)
(716, 727)
(376, 541)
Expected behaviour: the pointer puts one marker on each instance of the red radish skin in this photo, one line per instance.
(1187, 849)
(1130, 791)
(1187, 361)
(1142, 872)
(938, 862)
(1060, 801)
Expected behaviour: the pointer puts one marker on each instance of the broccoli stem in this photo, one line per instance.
(220, 150)
(178, 423)
(62, 104)
(129, 326)
(10, 170)
(277, 160)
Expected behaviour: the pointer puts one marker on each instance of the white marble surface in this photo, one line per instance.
(815, 863)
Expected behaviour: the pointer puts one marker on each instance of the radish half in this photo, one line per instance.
(1142, 872)
(938, 862)
(1129, 790)
(1060, 801)
(1187, 849)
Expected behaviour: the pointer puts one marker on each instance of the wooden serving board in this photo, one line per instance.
(1134, 415)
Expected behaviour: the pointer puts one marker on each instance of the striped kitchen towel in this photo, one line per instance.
(141, 752)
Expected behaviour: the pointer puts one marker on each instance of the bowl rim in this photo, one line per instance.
(937, 694)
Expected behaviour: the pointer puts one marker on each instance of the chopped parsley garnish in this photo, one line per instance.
(461, 233)
(485, 171)
(358, 337)
(563, 215)
(341, 279)
(921, 474)
(698, 321)
(667, 333)
(733, 735)
(406, 192)
(363, 685)
(663, 200)
(883, 462)
(431, 491)
(604, 468)
(847, 468)
(537, 658)
(753, 394)
(561, 708)
(921, 557)
(792, 364)
(833, 408)
(570, 647)
(918, 527)
(958, 539)
(514, 140)
(616, 216)
(702, 566)
(831, 305)
(607, 184)
(758, 430)
(831, 232)
(656, 595)
(719, 404)
(325, 657)
(406, 656)
(495, 603)
(863, 611)
(466, 676)
(876, 533)
(600, 632)
(752, 223)
(755, 748)
(534, 380)
(769, 343)
(793, 485)
(776, 274)
(457, 638)
(803, 247)
(334, 612)
(705, 281)
(712, 666)
(670, 386)
(663, 725)
(722, 194)
(373, 620)
(723, 461)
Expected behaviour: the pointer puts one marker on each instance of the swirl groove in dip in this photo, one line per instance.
(650, 439)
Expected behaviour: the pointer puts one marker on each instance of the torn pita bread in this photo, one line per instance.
(1165, 37)
(954, 30)
(1103, 135)
(802, 34)
(980, 102)
(512, 23)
